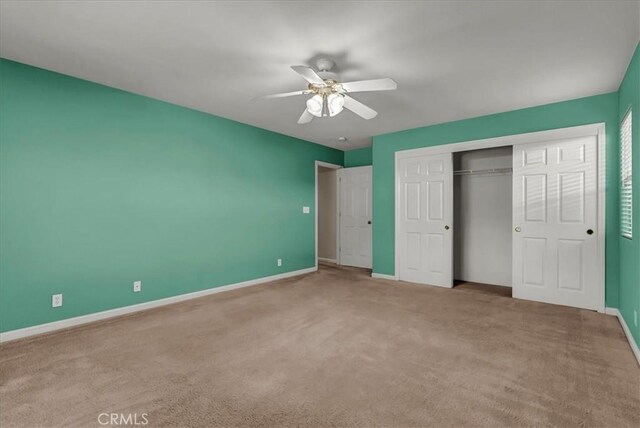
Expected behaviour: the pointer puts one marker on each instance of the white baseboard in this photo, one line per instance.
(323, 259)
(384, 276)
(634, 346)
(84, 319)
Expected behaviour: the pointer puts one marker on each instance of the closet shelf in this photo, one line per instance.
(483, 171)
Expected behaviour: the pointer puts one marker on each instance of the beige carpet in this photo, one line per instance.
(334, 348)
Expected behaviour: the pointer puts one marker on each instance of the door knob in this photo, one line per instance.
(446, 228)
(589, 231)
(369, 222)
(518, 229)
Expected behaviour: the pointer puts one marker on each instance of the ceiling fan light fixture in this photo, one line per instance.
(330, 96)
(335, 103)
(314, 105)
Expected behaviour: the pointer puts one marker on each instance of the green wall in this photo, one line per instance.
(630, 249)
(600, 108)
(358, 157)
(100, 187)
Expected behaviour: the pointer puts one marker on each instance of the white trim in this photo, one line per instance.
(627, 332)
(332, 166)
(84, 319)
(596, 129)
(602, 207)
(384, 276)
(326, 260)
(507, 140)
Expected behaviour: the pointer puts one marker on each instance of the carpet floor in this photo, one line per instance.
(332, 348)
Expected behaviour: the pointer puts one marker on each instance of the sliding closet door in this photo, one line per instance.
(425, 186)
(554, 219)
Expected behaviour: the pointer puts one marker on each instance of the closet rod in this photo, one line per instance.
(482, 171)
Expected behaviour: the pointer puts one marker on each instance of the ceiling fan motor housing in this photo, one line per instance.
(330, 86)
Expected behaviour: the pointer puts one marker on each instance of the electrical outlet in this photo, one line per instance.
(56, 300)
(279, 262)
(305, 210)
(635, 318)
(137, 286)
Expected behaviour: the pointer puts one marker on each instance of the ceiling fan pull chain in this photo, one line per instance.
(325, 106)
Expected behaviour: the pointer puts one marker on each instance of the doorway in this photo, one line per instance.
(327, 214)
(327, 210)
(343, 215)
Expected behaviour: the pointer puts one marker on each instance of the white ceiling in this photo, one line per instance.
(452, 60)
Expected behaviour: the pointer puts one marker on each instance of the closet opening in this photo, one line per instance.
(483, 205)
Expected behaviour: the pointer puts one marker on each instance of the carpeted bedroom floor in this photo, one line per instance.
(333, 348)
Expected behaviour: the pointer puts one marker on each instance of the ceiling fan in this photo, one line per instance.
(329, 95)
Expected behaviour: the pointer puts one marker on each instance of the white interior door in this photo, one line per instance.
(555, 257)
(355, 216)
(425, 219)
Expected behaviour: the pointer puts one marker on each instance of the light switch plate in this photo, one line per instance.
(305, 210)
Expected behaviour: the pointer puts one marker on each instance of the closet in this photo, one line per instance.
(482, 206)
(525, 211)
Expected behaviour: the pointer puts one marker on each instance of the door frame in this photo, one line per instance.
(595, 129)
(336, 167)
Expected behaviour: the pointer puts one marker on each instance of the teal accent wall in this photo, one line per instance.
(358, 157)
(630, 249)
(596, 109)
(100, 187)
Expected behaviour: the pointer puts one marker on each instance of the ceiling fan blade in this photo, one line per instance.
(370, 85)
(358, 108)
(308, 74)
(282, 95)
(306, 117)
